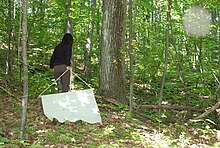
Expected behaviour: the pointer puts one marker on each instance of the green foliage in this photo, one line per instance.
(120, 128)
(3, 140)
(193, 67)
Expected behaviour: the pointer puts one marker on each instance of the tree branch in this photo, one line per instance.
(212, 109)
(172, 107)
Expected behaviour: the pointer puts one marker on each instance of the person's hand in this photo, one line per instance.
(68, 67)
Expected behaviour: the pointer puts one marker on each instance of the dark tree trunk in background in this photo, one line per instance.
(41, 22)
(68, 26)
(19, 43)
(112, 70)
(9, 57)
(166, 51)
(89, 44)
(214, 15)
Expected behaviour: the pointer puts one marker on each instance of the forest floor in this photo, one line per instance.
(119, 129)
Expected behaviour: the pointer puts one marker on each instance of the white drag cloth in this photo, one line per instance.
(72, 106)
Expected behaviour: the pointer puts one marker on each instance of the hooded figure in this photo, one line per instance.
(61, 61)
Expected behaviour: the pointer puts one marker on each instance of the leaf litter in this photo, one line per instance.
(119, 129)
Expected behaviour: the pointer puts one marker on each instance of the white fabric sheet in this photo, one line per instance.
(72, 106)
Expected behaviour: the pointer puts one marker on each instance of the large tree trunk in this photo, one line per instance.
(112, 70)
(25, 67)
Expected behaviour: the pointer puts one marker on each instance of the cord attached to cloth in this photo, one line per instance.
(60, 77)
(53, 82)
(82, 80)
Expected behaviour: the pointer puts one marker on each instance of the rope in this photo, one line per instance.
(82, 80)
(53, 83)
(60, 77)
(71, 81)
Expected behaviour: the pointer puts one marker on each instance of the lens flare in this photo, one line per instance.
(197, 21)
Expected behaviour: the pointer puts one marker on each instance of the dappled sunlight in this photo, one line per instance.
(153, 64)
(83, 98)
(72, 106)
(118, 130)
(95, 111)
(66, 103)
(148, 134)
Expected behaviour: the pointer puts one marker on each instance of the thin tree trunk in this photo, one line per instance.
(25, 67)
(112, 69)
(131, 58)
(19, 41)
(200, 56)
(97, 24)
(214, 15)
(41, 21)
(179, 68)
(166, 51)
(68, 27)
(196, 55)
(89, 44)
(8, 68)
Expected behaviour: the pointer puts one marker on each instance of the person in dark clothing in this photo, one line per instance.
(61, 61)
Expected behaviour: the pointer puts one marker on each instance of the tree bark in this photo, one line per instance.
(41, 20)
(89, 44)
(68, 27)
(131, 58)
(112, 69)
(25, 67)
(212, 109)
(214, 16)
(166, 51)
(19, 42)
(9, 60)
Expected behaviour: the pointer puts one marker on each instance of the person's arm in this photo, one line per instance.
(52, 59)
(68, 56)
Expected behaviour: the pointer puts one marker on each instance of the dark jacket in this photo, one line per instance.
(61, 56)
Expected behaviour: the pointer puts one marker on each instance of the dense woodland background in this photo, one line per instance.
(153, 46)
